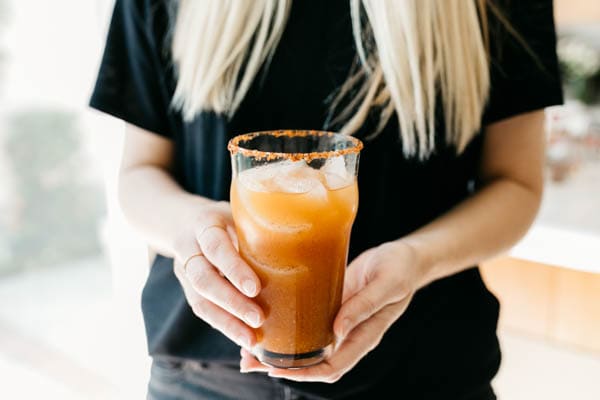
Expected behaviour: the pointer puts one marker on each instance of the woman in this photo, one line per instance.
(448, 98)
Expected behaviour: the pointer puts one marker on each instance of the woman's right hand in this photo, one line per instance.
(218, 284)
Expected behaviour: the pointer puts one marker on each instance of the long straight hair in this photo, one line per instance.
(410, 52)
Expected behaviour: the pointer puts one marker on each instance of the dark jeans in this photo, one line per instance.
(190, 380)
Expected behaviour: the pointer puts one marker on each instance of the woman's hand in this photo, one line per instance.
(378, 287)
(217, 283)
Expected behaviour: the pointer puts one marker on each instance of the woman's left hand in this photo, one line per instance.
(378, 287)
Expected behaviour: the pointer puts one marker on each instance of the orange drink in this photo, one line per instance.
(293, 216)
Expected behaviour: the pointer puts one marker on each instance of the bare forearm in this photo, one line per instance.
(156, 206)
(479, 228)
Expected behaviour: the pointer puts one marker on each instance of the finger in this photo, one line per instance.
(207, 282)
(350, 351)
(215, 243)
(355, 275)
(249, 363)
(185, 246)
(212, 314)
(362, 305)
(218, 318)
(223, 321)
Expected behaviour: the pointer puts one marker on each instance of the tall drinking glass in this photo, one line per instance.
(294, 198)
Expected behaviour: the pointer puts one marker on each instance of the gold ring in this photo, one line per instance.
(190, 259)
(204, 229)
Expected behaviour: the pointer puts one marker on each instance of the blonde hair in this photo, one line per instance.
(411, 52)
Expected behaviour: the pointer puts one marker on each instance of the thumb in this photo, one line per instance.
(361, 306)
(356, 275)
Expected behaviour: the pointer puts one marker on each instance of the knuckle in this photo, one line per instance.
(201, 279)
(403, 289)
(374, 344)
(232, 269)
(227, 302)
(199, 308)
(231, 328)
(230, 304)
(211, 244)
(333, 377)
(367, 305)
(398, 295)
(377, 258)
(206, 214)
(385, 315)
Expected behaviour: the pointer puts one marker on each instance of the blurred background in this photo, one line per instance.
(71, 271)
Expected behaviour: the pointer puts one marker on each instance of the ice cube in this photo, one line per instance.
(334, 181)
(249, 226)
(258, 179)
(275, 267)
(335, 174)
(281, 227)
(296, 177)
(335, 165)
(290, 167)
(318, 191)
(294, 184)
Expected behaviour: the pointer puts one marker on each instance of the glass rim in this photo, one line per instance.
(235, 147)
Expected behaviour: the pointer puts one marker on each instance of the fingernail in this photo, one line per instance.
(249, 287)
(253, 319)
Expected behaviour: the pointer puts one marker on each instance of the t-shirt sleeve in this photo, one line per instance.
(131, 83)
(523, 78)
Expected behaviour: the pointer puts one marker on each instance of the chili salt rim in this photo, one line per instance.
(234, 146)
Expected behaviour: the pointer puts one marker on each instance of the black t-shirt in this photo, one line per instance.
(447, 338)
